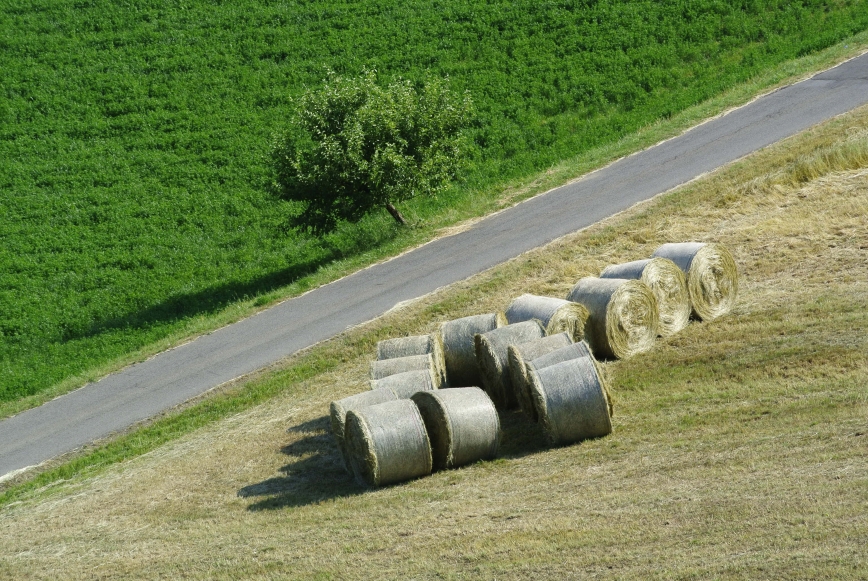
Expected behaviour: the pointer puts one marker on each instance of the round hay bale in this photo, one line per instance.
(668, 284)
(386, 367)
(459, 347)
(574, 351)
(556, 315)
(462, 424)
(571, 400)
(519, 355)
(492, 355)
(338, 412)
(387, 443)
(415, 345)
(712, 276)
(623, 315)
(405, 384)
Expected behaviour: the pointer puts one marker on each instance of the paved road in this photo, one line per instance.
(143, 390)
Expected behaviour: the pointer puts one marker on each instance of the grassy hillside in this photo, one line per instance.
(738, 448)
(134, 136)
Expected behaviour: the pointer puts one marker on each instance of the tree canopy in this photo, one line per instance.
(355, 146)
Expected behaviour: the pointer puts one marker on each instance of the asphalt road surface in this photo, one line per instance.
(145, 389)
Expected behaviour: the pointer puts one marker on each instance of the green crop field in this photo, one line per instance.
(134, 137)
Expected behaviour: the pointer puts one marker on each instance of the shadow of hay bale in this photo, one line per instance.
(519, 435)
(316, 474)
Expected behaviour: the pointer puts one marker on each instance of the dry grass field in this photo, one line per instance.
(740, 446)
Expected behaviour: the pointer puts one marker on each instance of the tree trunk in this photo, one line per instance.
(396, 214)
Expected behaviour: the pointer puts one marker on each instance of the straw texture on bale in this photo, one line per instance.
(623, 315)
(387, 443)
(415, 345)
(462, 423)
(574, 351)
(712, 276)
(386, 367)
(668, 284)
(459, 347)
(405, 384)
(519, 355)
(492, 354)
(338, 412)
(571, 400)
(556, 315)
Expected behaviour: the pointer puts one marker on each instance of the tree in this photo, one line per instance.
(356, 146)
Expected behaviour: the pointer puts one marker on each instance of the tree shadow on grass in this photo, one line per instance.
(342, 245)
(317, 474)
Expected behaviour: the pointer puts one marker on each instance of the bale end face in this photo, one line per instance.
(623, 315)
(712, 276)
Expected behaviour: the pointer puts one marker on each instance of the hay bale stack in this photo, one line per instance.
(492, 354)
(623, 315)
(556, 315)
(712, 276)
(405, 384)
(387, 443)
(386, 367)
(571, 400)
(459, 347)
(462, 424)
(338, 412)
(668, 284)
(415, 345)
(519, 355)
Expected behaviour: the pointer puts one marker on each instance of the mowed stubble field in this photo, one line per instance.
(135, 138)
(738, 451)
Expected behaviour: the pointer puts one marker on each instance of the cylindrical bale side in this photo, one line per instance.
(387, 443)
(338, 412)
(556, 315)
(462, 424)
(386, 367)
(520, 354)
(623, 315)
(712, 276)
(415, 345)
(405, 384)
(574, 351)
(492, 354)
(459, 347)
(571, 401)
(667, 282)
